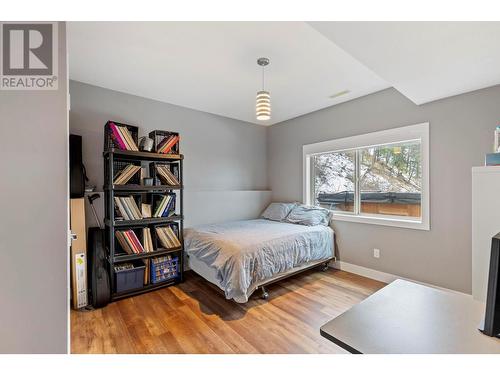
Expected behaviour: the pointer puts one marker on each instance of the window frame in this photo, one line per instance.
(358, 142)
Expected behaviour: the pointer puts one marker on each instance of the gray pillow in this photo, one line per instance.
(277, 211)
(309, 215)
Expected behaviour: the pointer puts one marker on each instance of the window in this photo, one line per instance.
(378, 178)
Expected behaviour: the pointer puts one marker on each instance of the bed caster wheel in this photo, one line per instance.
(324, 267)
(265, 294)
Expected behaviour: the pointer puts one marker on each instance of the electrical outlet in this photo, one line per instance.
(376, 253)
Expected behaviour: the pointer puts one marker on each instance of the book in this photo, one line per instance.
(166, 176)
(128, 210)
(117, 137)
(121, 209)
(136, 245)
(122, 135)
(169, 209)
(168, 238)
(158, 207)
(128, 238)
(165, 207)
(127, 207)
(129, 141)
(122, 138)
(167, 144)
(124, 243)
(119, 129)
(133, 207)
(164, 141)
(123, 176)
(161, 206)
(146, 271)
(147, 240)
(164, 241)
(172, 236)
(146, 210)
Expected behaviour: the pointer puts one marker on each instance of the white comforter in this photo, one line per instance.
(246, 253)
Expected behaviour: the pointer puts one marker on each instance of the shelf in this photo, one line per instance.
(143, 188)
(144, 222)
(115, 159)
(160, 252)
(141, 155)
(144, 289)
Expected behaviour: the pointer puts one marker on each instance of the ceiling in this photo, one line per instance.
(425, 61)
(211, 66)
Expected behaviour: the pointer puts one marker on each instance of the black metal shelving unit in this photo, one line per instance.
(111, 157)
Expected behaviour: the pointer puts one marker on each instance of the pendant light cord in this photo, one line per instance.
(263, 78)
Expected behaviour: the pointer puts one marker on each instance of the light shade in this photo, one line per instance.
(263, 106)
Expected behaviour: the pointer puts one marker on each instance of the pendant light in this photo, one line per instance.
(263, 100)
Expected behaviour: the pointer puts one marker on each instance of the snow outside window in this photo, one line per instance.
(374, 182)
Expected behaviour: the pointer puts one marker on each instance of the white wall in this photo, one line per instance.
(461, 132)
(34, 220)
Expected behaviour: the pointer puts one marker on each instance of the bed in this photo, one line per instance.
(241, 256)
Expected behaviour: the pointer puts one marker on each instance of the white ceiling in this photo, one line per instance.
(211, 66)
(425, 61)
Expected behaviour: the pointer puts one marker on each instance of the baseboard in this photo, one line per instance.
(383, 276)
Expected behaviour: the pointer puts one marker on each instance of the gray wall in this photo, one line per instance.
(34, 220)
(221, 154)
(461, 132)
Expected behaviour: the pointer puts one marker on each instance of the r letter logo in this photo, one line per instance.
(29, 56)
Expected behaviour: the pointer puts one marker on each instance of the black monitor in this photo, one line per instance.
(492, 316)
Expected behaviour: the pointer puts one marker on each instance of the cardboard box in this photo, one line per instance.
(78, 253)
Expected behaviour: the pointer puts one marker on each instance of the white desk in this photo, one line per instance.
(405, 317)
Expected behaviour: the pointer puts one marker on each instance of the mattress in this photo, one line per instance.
(238, 256)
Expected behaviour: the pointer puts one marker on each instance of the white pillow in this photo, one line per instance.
(309, 215)
(277, 211)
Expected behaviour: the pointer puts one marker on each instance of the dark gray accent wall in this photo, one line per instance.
(34, 225)
(461, 132)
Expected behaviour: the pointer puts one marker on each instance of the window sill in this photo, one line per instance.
(378, 220)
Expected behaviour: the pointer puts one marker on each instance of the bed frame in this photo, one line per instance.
(324, 264)
(295, 271)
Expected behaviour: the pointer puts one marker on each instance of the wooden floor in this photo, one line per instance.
(194, 318)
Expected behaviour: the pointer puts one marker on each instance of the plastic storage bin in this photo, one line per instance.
(130, 279)
(164, 268)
